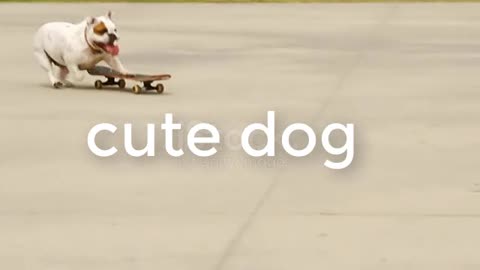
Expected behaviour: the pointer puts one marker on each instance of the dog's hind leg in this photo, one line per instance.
(47, 65)
(61, 73)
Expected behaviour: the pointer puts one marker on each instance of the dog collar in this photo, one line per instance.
(92, 48)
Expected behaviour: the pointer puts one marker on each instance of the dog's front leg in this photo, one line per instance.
(77, 74)
(115, 63)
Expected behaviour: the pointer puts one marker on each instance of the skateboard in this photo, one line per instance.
(112, 75)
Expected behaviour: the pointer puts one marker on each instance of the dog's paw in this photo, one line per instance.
(67, 83)
(57, 85)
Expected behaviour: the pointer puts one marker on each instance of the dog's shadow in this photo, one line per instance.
(85, 87)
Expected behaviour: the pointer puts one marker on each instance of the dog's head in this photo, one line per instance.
(102, 33)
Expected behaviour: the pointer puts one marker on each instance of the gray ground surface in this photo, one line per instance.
(406, 75)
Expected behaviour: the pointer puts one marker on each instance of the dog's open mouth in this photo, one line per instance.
(111, 48)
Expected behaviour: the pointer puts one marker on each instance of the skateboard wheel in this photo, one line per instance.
(121, 83)
(137, 89)
(159, 87)
(98, 84)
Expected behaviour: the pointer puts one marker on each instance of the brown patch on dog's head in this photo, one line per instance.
(100, 29)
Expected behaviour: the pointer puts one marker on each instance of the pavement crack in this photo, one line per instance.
(238, 236)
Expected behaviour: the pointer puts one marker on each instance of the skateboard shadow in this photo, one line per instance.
(84, 87)
(125, 90)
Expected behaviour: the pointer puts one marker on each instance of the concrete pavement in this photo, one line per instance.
(405, 74)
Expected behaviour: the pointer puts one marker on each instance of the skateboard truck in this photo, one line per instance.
(147, 85)
(110, 81)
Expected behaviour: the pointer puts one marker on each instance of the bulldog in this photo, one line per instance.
(63, 48)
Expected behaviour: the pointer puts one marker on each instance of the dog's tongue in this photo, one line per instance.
(112, 49)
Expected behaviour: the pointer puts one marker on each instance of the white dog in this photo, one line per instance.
(62, 48)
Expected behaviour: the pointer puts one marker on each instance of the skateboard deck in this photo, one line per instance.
(111, 75)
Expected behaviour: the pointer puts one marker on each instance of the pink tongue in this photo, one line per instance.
(112, 49)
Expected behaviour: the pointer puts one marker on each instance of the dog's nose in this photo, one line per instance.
(112, 38)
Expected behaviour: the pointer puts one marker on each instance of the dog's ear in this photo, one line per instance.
(109, 14)
(91, 20)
